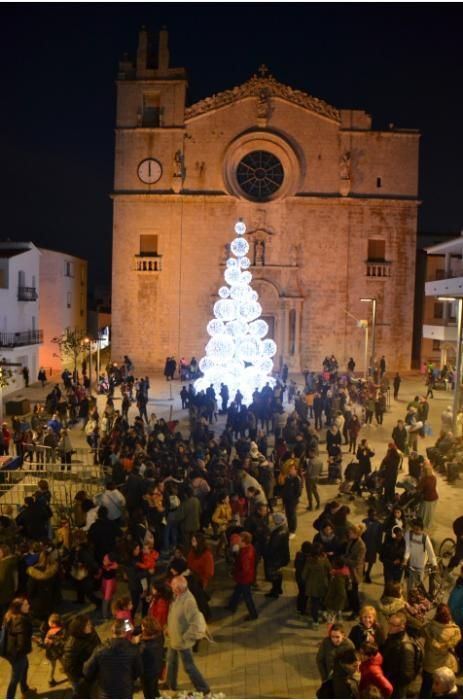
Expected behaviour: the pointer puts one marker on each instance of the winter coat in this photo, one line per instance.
(115, 666)
(291, 490)
(332, 546)
(316, 576)
(202, 565)
(19, 637)
(455, 602)
(371, 673)
(399, 662)
(359, 634)
(389, 606)
(103, 535)
(245, 565)
(152, 656)
(276, 554)
(76, 652)
(185, 623)
(222, 515)
(372, 537)
(355, 558)
(336, 596)
(43, 589)
(440, 640)
(8, 578)
(344, 683)
(326, 654)
(189, 515)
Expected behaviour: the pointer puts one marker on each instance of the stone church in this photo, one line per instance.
(330, 207)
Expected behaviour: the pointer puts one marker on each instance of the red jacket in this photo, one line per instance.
(372, 674)
(245, 565)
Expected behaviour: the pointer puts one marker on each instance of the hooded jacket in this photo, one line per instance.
(371, 673)
(440, 640)
(115, 666)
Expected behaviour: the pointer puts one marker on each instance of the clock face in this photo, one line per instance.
(150, 171)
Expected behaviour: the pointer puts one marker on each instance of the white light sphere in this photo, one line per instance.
(246, 276)
(225, 310)
(254, 296)
(244, 263)
(232, 262)
(233, 275)
(240, 228)
(258, 328)
(239, 247)
(250, 310)
(237, 328)
(269, 347)
(220, 347)
(265, 365)
(205, 364)
(224, 292)
(215, 327)
(248, 349)
(240, 292)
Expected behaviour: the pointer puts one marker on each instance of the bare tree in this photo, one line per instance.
(70, 344)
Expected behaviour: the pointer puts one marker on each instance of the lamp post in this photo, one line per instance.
(88, 343)
(372, 301)
(457, 390)
(364, 324)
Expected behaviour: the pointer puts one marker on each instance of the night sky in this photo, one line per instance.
(402, 63)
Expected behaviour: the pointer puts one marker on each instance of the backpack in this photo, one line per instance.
(4, 640)
(326, 690)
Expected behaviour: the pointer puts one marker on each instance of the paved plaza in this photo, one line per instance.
(273, 657)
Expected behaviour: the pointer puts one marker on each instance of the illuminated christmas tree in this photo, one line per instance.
(238, 354)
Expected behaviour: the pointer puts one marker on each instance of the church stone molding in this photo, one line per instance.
(263, 86)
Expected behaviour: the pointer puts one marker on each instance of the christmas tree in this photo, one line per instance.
(238, 354)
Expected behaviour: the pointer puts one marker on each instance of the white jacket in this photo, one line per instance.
(418, 551)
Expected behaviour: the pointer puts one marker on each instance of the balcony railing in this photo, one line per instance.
(378, 268)
(148, 263)
(13, 340)
(27, 294)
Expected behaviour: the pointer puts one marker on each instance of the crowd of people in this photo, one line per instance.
(175, 509)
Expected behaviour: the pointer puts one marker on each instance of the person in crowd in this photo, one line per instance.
(444, 684)
(244, 575)
(372, 536)
(442, 635)
(392, 555)
(185, 626)
(334, 643)
(151, 643)
(159, 601)
(18, 623)
(418, 551)
(316, 577)
(427, 488)
(276, 554)
(53, 638)
(291, 493)
(116, 665)
(402, 662)
(371, 672)
(299, 564)
(345, 671)
(336, 598)
(200, 559)
(313, 470)
(355, 560)
(8, 576)
(80, 643)
(367, 630)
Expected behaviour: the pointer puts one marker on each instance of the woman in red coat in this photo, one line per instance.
(244, 574)
(161, 595)
(371, 672)
(427, 486)
(200, 559)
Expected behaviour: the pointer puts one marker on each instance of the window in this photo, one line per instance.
(69, 300)
(378, 182)
(436, 345)
(260, 174)
(68, 268)
(148, 245)
(438, 310)
(376, 249)
(151, 109)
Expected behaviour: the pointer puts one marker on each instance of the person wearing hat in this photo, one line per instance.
(276, 554)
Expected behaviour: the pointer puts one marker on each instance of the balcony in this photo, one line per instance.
(27, 294)
(148, 264)
(14, 340)
(379, 269)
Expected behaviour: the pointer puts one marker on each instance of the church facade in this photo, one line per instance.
(330, 207)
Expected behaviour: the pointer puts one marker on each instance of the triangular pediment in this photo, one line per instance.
(263, 86)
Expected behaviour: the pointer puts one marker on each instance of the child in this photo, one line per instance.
(122, 608)
(148, 565)
(108, 582)
(53, 642)
(336, 596)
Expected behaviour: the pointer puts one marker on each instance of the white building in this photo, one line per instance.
(20, 336)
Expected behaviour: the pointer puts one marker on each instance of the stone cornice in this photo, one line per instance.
(263, 86)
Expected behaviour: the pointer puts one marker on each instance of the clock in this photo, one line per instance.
(149, 171)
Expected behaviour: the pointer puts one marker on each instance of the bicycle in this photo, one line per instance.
(447, 550)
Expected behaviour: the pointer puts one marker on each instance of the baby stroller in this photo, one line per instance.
(373, 483)
(352, 478)
(410, 499)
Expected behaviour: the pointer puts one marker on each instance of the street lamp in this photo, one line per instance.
(88, 343)
(372, 301)
(456, 393)
(362, 323)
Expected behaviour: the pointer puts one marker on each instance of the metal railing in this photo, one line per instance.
(12, 340)
(27, 294)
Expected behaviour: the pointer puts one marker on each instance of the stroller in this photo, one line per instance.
(410, 499)
(352, 478)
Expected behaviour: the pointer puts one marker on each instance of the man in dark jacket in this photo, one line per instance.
(400, 436)
(346, 664)
(390, 470)
(33, 520)
(399, 656)
(276, 554)
(291, 494)
(116, 665)
(103, 534)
